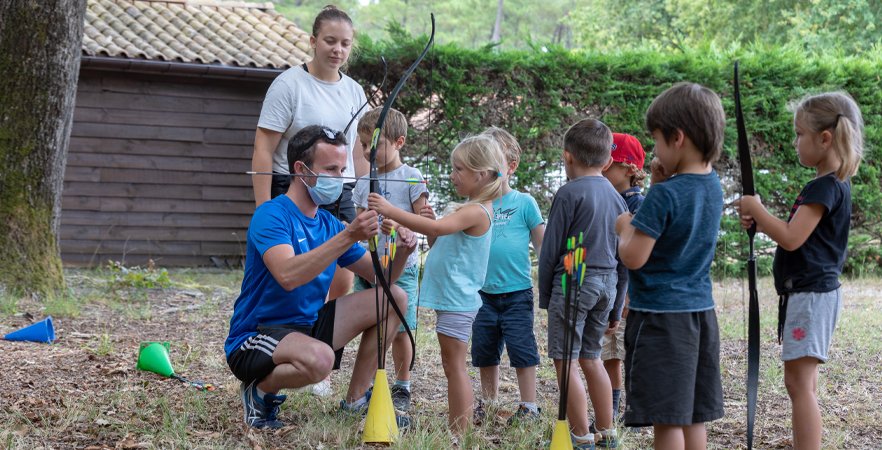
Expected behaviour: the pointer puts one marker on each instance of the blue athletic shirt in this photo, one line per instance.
(683, 215)
(515, 214)
(262, 300)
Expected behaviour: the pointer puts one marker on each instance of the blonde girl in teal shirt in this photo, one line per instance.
(457, 264)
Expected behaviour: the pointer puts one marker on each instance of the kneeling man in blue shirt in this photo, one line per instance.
(283, 334)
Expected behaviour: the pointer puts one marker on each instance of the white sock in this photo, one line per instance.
(531, 406)
(587, 438)
(403, 383)
(358, 402)
(608, 433)
(260, 393)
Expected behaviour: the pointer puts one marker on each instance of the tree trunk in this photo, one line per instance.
(496, 35)
(40, 46)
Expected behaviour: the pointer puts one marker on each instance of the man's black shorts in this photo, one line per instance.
(253, 360)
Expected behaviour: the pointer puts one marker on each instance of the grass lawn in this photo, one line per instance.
(83, 391)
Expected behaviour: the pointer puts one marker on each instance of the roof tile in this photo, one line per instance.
(194, 31)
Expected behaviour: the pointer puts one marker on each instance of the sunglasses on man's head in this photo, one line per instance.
(330, 136)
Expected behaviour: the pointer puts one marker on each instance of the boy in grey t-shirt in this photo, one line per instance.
(587, 204)
(410, 197)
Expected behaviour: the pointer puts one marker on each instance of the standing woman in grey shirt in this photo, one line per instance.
(314, 93)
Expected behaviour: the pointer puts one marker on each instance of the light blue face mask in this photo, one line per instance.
(327, 189)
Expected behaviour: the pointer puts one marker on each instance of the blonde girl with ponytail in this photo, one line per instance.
(457, 264)
(812, 245)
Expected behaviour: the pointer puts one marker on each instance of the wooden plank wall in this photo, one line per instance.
(155, 170)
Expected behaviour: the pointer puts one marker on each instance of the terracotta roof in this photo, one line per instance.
(194, 31)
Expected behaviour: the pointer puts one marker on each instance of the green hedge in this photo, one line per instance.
(537, 95)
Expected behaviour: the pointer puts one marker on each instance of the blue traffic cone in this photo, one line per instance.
(42, 331)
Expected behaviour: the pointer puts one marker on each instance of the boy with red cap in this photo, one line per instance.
(626, 174)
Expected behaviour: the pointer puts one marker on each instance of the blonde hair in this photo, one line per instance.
(838, 113)
(509, 145)
(394, 128)
(481, 153)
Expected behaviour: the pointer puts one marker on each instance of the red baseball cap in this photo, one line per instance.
(627, 149)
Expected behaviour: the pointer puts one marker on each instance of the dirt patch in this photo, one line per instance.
(83, 391)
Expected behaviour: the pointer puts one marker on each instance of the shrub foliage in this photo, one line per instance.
(537, 94)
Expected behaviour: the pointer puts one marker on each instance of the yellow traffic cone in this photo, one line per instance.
(560, 437)
(380, 426)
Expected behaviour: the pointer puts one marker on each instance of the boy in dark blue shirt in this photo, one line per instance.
(672, 365)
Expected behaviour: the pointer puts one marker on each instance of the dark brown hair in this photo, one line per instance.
(693, 109)
(301, 147)
(329, 13)
(590, 142)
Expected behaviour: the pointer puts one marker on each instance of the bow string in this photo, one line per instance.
(382, 281)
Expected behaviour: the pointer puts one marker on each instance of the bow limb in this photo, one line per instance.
(366, 102)
(375, 188)
(753, 321)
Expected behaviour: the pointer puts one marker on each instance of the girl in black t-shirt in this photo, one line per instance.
(811, 248)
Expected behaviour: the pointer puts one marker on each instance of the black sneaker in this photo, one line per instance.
(524, 415)
(403, 422)
(608, 440)
(478, 416)
(260, 412)
(359, 410)
(400, 397)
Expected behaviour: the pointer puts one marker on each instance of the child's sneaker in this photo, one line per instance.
(322, 388)
(524, 414)
(479, 415)
(608, 439)
(400, 397)
(260, 412)
(403, 422)
(582, 445)
(359, 410)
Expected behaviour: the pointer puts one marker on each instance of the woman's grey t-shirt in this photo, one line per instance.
(297, 99)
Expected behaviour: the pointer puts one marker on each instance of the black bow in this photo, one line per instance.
(375, 188)
(753, 320)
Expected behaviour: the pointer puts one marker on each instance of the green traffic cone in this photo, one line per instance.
(154, 357)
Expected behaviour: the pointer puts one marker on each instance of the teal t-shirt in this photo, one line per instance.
(515, 214)
(455, 270)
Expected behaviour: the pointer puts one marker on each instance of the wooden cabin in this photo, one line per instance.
(167, 103)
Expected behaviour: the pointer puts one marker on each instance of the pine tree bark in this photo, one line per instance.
(40, 46)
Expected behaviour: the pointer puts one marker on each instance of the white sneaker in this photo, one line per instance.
(322, 388)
